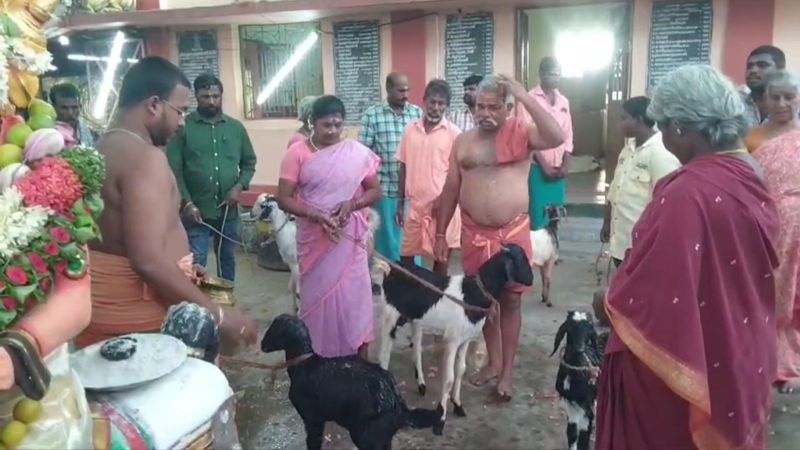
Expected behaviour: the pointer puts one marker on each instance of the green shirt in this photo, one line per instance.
(208, 159)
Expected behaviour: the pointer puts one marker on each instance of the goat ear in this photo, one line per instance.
(562, 330)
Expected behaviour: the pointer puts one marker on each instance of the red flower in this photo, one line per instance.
(44, 284)
(17, 276)
(9, 304)
(38, 263)
(60, 235)
(52, 249)
(53, 184)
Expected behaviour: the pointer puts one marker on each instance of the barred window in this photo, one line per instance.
(266, 50)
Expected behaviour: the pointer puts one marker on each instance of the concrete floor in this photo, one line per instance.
(533, 419)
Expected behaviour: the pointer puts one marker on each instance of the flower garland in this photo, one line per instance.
(46, 219)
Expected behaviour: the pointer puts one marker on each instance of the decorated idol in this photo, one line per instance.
(136, 391)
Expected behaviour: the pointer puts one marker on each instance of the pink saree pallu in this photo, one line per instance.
(335, 288)
(780, 160)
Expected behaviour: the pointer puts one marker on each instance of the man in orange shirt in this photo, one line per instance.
(424, 157)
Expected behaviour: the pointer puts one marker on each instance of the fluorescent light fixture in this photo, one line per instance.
(293, 61)
(99, 109)
(63, 40)
(89, 58)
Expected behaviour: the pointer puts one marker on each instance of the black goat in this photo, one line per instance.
(356, 394)
(576, 382)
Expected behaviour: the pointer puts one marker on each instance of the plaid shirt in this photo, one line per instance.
(381, 130)
(462, 118)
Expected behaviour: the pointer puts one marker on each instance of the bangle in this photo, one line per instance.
(26, 332)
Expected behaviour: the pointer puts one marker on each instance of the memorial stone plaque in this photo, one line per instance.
(357, 66)
(469, 49)
(197, 54)
(680, 34)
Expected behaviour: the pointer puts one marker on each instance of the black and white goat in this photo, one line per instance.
(284, 231)
(545, 248)
(356, 394)
(406, 300)
(576, 381)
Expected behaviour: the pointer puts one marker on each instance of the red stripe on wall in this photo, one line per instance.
(749, 25)
(408, 51)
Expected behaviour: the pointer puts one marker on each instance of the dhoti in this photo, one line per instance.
(122, 302)
(479, 243)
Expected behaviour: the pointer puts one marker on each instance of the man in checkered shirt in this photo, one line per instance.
(462, 117)
(382, 126)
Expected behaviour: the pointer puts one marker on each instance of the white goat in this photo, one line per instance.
(406, 300)
(284, 231)
(545, 249)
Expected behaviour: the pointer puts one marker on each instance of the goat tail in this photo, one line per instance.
(373, 221)
(426, 418)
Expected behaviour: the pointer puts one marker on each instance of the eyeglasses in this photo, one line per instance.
(180, 112)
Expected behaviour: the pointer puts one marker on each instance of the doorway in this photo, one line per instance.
(592, 44)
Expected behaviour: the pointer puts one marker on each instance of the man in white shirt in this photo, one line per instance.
(642, 163)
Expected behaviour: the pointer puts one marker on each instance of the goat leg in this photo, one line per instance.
(584, 435)
(572, 435)
(546, 272)
(314, 431)
(419, 374)
(461, 367)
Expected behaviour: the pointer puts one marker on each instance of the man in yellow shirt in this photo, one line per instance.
(642, 162)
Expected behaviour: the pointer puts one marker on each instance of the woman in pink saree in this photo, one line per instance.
(779, 157)
(327, 183)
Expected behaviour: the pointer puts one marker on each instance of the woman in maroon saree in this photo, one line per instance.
(692, 354)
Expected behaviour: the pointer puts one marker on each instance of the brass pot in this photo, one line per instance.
(219, 291)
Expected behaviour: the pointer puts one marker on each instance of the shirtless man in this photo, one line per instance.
(488, 179)
(143, 264)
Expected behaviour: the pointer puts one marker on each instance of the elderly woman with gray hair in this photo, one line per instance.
(778, 153)
(303, 115)
(692, 310)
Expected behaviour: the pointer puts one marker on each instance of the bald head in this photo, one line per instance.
(397, 89)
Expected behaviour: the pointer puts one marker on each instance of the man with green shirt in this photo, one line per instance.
(213, 161)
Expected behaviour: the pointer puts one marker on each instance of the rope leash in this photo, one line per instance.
(490, 311)
(592, 369)
(272, 368)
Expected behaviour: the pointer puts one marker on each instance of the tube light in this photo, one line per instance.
(284, 71)
(99, 109)
(89, 58)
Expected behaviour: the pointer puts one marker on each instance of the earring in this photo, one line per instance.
(679, 131)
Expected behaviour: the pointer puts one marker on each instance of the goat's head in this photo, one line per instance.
(554, 214)
(287, 333)
(379, 270)
(259, 205)
(508, 266)
(580, 332)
